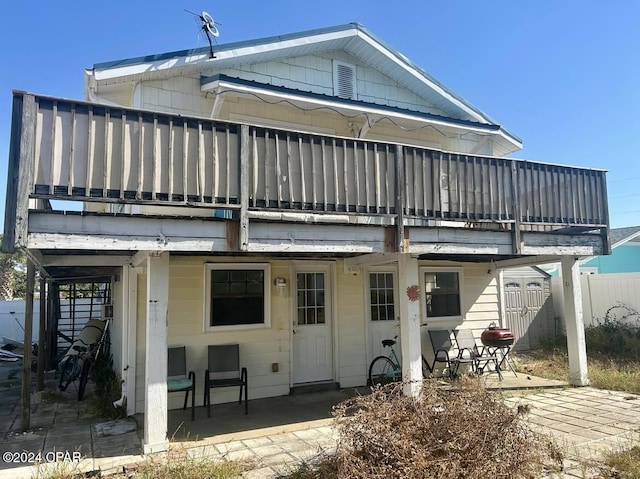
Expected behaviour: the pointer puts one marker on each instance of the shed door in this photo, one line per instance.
(526, 314)
(516, 313)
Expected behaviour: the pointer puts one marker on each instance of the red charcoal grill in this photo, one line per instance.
(500, 340)
(497, 337)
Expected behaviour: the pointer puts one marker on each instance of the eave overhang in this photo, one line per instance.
(226, 85)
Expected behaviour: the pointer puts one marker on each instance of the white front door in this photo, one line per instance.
(382, 314)
(312, 317)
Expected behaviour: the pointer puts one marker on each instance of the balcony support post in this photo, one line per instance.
(155, 371)
(401, 247)
(244, 188)
(516, 236)
(408, 280)
(576, 344)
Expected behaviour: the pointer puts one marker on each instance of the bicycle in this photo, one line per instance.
(388, 369)
(79, 358)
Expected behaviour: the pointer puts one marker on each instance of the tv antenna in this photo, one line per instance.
(209, 27)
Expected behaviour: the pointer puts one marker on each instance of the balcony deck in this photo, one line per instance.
(80, 151)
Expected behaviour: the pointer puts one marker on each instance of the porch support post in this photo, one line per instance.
(25, 398)
(130, 308)
(410, 325)
(576, 344)
(155, 402)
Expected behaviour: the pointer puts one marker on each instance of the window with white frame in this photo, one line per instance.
(237, 296)
(381, 296)
(442, 293)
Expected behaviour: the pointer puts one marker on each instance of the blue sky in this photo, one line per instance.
(562, 75)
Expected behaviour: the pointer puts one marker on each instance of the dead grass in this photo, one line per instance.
(181, 465)
(622, 464)
(454, 431)
(177, 464)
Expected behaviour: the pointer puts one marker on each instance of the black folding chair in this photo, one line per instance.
(224, 371)
(177, 378)
(443, 351)
(481, 358)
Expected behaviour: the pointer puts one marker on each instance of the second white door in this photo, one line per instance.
(312, 320)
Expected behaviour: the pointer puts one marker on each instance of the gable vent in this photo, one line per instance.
(344, 80)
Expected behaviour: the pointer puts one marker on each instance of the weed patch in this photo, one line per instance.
(462, 430)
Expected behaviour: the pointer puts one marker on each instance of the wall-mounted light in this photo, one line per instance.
(281, 285)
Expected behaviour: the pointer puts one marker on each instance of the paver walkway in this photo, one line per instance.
(585, 420)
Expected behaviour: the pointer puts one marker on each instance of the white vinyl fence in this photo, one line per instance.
(601, 293)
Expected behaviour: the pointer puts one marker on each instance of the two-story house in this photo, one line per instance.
(303, 196)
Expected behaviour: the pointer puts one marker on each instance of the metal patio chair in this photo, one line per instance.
(224, 371)
(444, 352)
(178, 379)
(481, 357)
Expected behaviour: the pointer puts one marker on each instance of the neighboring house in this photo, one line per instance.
(624, 257)
(610, 283)
(305, 196)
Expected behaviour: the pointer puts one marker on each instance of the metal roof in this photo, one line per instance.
(620, 236)
(352, 38)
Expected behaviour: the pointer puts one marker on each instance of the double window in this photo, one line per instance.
(442, 296)
(236, 296)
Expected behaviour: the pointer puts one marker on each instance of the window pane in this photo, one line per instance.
(373, 280)
(234, 301)
(220, 275)
(374, 313)
(389, 281)
(311, 298)
(442, 294)
(320, 315)
(220, 288)
(390, 313)
(319, 281)
(301, 317)
(320, 298)
(447, 281)
(238, 275)
(311, 316)
(301, 281)
(255, 276)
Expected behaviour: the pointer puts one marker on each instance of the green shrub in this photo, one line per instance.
(108, 388)
(617, 335)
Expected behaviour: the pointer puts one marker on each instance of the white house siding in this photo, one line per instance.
(314, 73)
(260, 348)
(352, 339)
(180, 95)
(480, 302)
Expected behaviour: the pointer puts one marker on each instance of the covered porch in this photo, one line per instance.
(168, 200)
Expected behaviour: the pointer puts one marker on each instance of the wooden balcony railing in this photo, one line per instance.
(62, 149)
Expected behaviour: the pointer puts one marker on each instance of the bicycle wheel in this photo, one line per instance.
(383, 371)
(84, 377)
(426, 369)
(68, 371)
